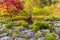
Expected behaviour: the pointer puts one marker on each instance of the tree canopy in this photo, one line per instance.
(11, 5)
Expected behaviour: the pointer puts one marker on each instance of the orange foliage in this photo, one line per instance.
(11, 5)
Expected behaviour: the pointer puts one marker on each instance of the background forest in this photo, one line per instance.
(37, 9)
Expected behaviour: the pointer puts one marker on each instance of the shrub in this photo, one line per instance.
(52, 18)
(4, 21)
(9, 26)
(22, 23)
(50, 37)
(23, 13)
(47, 10)
(41, 25)
(7, 33)
(37, 11)
(35, 28)
(41, 11)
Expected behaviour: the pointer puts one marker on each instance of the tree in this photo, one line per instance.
(11, 7)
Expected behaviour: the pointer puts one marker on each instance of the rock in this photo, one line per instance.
(38, 34)
(17, 29)
(1, 31)
(57, 36)
(10, 31)
(2, 26)
(30, 26)
(6, 38)
(26, 36)
(18, 38)
(32, 39)
(28, 33)
(2, 35)
(56, 30)
(45, 31)
(57, 24)
(42, 38)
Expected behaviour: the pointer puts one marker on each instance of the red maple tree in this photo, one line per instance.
(11, 5)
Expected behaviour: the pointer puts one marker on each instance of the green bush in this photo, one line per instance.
(41, 25)
(47, 10)
(9, 26)
(35, 28)
(50, 37)
(22, 23)
(52, 18)
(4, 21)
(41, 11)
(24, 13)
(37, 11)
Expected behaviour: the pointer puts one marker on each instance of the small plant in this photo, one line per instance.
(7, 33)
(50, 37)
(9, 26)
(35, 28)
(52, 18)
(41, 25)
(22, 23)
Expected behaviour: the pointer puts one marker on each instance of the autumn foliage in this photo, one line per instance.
(11, 5)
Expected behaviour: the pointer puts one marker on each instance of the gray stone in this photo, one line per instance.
(38, 34)
(0, 24)
(3, 25)
(28, 33)
(18, 38)
(45, 30)
(1, 31)
(57, 24)
(6, 38)
(56, 30)
(10, 31)
(57, 36)
(2, 35)
(32, 39)
(42, 38)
